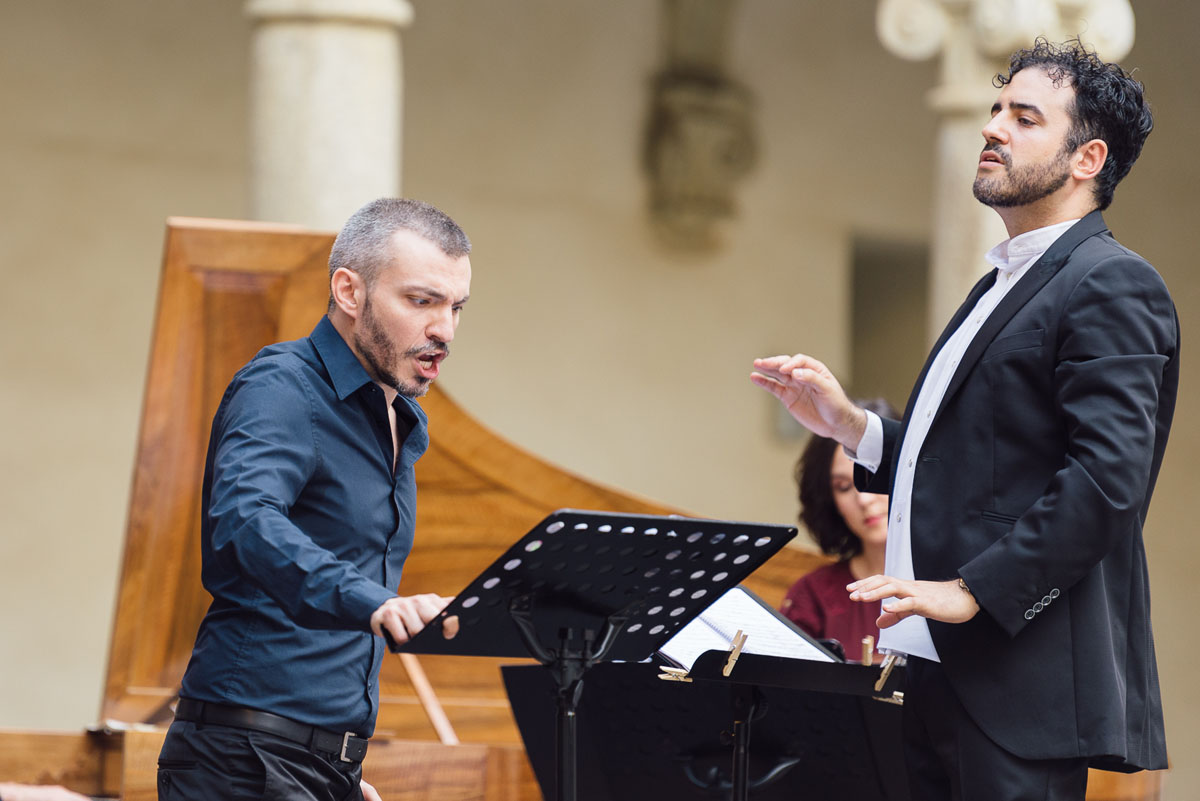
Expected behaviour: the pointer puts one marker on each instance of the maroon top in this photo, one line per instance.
(820, 604)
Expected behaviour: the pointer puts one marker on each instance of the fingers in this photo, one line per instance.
(769, 384)
(876, 588)
(410, 616)
(894, 611)
(426, 607)
(450, 627)
(405, 616)
(369, 793)
(936, 600)
(780, 366)
(770, 364)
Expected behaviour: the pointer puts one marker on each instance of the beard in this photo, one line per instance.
(381, 356)
(1021, 186)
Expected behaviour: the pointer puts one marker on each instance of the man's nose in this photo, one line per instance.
(441, 328)
(994, 131)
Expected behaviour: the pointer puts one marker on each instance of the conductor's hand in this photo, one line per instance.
(369, 792)
(813, 396)
(404, 616)
(936, 600)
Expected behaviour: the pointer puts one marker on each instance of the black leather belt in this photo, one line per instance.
(346, 746)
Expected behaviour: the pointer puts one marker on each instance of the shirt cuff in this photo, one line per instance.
(870, 447)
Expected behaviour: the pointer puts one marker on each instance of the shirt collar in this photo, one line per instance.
(1026, 248)
(345, 370)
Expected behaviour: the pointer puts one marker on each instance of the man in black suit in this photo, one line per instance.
(1021, 473)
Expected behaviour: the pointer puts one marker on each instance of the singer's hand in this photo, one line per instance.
(404, 616)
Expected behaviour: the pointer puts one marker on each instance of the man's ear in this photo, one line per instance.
(348, 292)
(1090, 158)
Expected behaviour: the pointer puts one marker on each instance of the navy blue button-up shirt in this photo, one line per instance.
(304, 531)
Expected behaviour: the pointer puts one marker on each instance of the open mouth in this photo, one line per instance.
(429, 363)
(990, 157)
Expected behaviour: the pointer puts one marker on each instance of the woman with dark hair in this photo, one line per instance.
(845, 523)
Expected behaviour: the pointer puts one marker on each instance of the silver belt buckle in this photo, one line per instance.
(345, 743)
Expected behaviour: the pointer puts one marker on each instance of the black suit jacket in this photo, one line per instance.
(1033, 485)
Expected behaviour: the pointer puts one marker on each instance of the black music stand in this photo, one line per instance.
(588, 587)
(643, 739)
(876, 686)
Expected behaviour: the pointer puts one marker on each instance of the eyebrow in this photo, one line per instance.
(1027, 107)
(434, 294)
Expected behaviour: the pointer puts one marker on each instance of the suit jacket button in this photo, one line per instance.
(1046, 601)
(1029, 614)
(1038, 607)
(1054, 593)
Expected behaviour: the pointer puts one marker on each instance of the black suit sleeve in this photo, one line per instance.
(880, 482)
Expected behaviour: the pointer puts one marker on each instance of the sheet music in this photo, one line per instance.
(768, 632)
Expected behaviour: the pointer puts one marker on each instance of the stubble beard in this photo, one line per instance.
(379, 352)
(1021, 186)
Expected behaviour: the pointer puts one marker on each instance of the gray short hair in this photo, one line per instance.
(365, 240)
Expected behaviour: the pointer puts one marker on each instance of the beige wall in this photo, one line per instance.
(115, 115)
(585, 341)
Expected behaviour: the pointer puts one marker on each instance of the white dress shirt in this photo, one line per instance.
(1012, 259)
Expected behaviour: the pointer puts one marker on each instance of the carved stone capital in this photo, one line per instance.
(920, 29)
(1106, 25)
(1000, 27)
(912, 29)
(700, 143)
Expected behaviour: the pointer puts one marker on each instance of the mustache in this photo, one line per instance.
(995, 148)
(433, 347)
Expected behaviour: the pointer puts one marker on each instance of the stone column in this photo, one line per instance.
(325, 107)
(975, 39)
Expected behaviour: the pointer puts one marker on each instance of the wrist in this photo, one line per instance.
(855, 430)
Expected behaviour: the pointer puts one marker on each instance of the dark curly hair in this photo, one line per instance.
(1109, 105)
(818, 510)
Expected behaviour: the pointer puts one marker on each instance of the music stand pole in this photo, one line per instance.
(567, 665)
(746, 700)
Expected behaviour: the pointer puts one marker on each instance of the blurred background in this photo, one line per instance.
(657, 193)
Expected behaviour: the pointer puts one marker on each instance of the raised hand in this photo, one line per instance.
(812, 395)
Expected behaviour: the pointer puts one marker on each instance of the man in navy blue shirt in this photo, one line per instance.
(309, 505)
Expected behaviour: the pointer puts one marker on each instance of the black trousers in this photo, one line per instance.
(950, 759)
(203, 762)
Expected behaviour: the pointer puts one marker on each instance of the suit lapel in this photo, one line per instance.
(977, 291)
(1029, 284)
(981, 286)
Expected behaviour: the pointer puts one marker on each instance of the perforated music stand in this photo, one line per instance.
(587, 587)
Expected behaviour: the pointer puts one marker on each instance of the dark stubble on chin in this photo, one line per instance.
(1020, 186)
(379, 352)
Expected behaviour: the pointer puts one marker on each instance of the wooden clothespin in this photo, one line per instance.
(673, 674)
(735, 650)
(885, 670)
